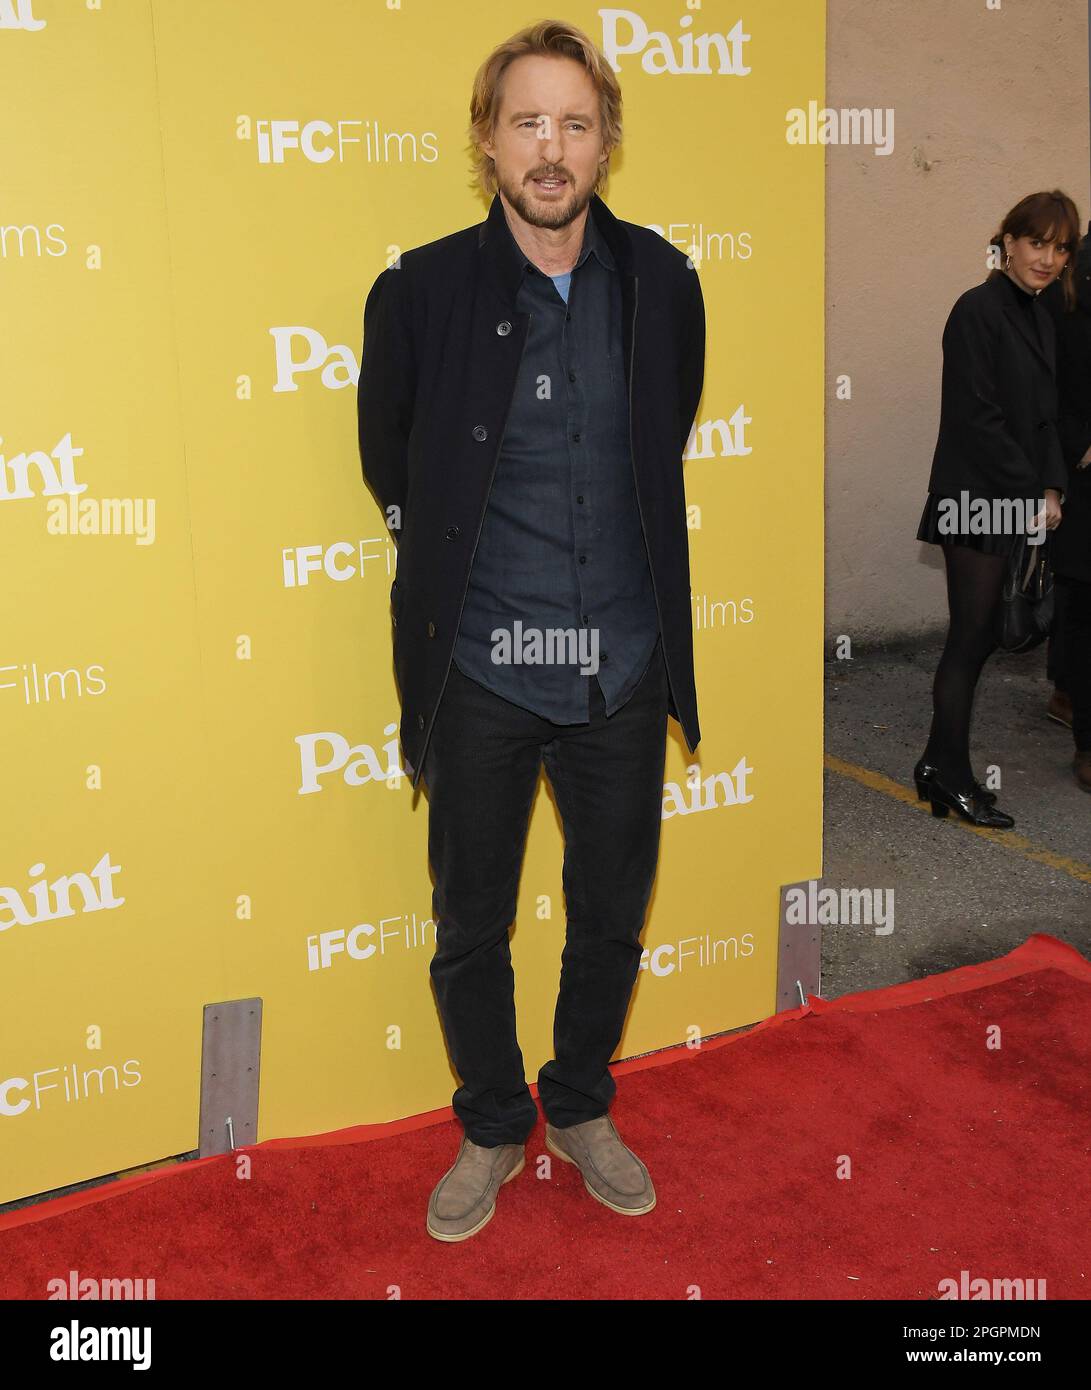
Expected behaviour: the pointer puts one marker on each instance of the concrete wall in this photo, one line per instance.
(989, 105)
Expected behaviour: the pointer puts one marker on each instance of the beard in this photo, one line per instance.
(544, 212)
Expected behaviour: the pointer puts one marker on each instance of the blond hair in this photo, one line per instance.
(548, 38)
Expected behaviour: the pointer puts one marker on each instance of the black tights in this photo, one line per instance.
(975, 582)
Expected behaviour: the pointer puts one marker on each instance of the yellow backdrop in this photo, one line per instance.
(201, 789)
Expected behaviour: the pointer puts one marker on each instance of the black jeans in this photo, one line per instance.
(1075, 616)
(480, 773)
(1056, 659)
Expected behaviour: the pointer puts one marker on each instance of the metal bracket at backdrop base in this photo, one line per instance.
(230, 1073)
(799, 956)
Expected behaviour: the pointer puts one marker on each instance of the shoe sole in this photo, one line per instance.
(1064, 723)
(922, 794)
(941, 810)
(465, 1235)
(623, 1211)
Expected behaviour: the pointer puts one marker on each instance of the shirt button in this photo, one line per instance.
(480, 433)
(503, 328)
(431, 629)
(451, 533)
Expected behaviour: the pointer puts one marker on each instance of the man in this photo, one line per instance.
(1071, 703)
(522, 423)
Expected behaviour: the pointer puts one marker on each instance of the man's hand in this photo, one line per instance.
(1051, 513)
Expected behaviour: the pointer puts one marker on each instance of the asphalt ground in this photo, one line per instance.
(960, 895)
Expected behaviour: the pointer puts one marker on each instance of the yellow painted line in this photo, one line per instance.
(1075, 868)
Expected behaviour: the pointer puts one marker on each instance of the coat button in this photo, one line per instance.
(480, 433)
(451, 533)
(503, 328)
(431, 629)
(420, 721)
(394, 620)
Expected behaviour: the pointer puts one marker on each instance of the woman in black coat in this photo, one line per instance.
(998, 439)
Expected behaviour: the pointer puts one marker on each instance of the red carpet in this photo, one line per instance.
(962, 1158)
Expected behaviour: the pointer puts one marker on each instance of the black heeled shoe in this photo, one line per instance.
(967, 804)
(924, 772)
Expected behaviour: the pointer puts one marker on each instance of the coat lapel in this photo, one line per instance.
(1033, 339)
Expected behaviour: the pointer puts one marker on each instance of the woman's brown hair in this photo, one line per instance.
(1049, 217)
(549, 38)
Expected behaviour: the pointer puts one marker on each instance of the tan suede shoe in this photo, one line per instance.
(1059, 708)
(1081, 769)
(464, 1199)
(611, 1173)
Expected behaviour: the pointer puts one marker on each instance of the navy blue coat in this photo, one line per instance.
(441, 349)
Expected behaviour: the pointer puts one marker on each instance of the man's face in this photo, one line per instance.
(547, 145)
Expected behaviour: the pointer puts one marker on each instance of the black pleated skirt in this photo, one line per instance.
(929, 530)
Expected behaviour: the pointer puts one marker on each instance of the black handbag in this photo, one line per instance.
(1028, 600)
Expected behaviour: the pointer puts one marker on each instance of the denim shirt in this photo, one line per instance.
(561, 544)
